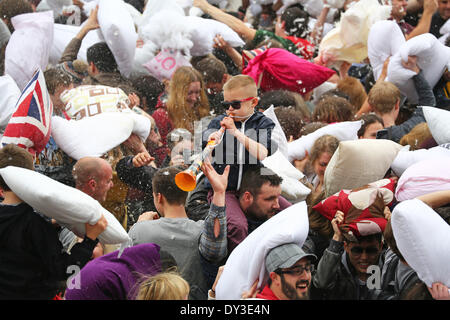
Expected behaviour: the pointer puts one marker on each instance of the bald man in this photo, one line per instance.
(93, 176)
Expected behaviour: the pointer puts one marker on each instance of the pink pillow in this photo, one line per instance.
(422, 178)
(284, 70)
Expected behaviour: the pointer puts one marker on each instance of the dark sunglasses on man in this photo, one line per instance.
(236, 104)
(371, 251)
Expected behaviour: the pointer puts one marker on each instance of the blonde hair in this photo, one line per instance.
(242, 81)
(179, 113)
(383, 96)
(416, 136)
(163, 286)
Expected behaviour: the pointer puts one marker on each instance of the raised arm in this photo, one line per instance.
(71, 51)
(213, 241)
(234, 23)
(429, 8)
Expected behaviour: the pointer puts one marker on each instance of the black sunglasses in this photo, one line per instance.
(297, 271)
(371, 251)
(236, 104)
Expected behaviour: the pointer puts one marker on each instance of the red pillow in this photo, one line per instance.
(363, 208)
(284, 70)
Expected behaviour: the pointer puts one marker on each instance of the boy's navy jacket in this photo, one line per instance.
(230, 151)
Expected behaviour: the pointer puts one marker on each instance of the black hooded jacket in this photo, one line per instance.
(32, 261)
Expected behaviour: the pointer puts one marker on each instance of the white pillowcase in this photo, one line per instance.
(385, 39)
(423, 238)
(247, 261)
(203, 31)
(432, 58)
(424, 177)
(10, 94)
(438, 122)
(406, 158)
(63, 34)
(70, 207)
(29, 46)
(359, 162)
(347, 130)
(94, 136)
(119, 32)
(277, 132)
(291, 188)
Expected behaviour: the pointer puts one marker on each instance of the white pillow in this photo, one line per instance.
(9, 96)
(247, 261)
(359, 162)
(175, 36)
(119, 32)
(277, 132)
(203, 31)
(424, 177)
(432, 58)
(63, 34)
(110, 129)
(29, 46)
(291, 188)
(423, 238)
(347, 130)
(406, 158)
(70, 207)
(385, 39)
(438, 120)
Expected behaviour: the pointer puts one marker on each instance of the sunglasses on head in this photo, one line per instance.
(236, 104)
(369, 250)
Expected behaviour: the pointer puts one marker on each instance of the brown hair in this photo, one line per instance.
(291, 121)
(416, 136)
(383, 96)
(326, 143)
(355, 91)
(12, 155)
(54, 78)
(331, 109)
(212, 69)
(164, 183)
(179, 113)
(368, 119)
(12, 8)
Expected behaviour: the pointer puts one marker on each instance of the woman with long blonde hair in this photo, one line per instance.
(187, 100)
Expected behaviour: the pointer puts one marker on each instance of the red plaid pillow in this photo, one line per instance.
(363, 208)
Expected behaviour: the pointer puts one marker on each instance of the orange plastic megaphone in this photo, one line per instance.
(187, 179)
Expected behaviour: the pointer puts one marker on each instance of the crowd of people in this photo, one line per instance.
(181, 240)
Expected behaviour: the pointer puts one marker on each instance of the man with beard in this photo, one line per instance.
(289, 270)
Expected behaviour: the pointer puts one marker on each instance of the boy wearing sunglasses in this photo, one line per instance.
(246, 141)
(342, 270)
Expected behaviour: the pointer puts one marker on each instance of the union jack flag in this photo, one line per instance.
(29, 126)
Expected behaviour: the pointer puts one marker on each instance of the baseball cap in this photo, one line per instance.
(285, 256)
